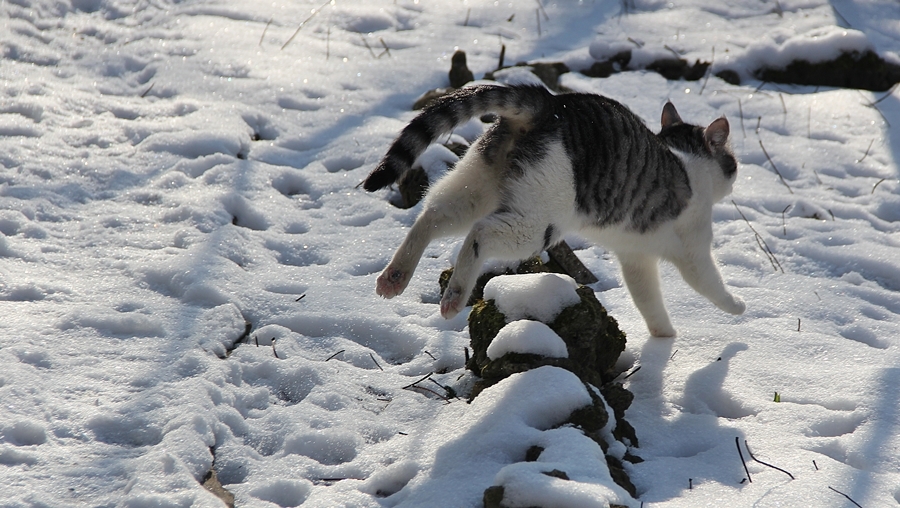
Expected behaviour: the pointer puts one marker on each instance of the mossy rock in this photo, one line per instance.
(618, 474)
(591, 419)
(865, 71)
(593, 339)
(677, 68)
(530, 265)
(493, 497)
(619, 399)
(514, 363)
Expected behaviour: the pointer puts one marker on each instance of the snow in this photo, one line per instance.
(176, 173)
(526, 336)
(515, 295)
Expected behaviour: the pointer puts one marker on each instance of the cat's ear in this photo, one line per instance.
(670, 116)
(716, 135)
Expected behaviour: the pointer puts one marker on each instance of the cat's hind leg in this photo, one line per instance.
(470, 191)
(641, 274)
(501, 235)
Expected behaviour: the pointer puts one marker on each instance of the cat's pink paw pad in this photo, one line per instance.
(391, 282)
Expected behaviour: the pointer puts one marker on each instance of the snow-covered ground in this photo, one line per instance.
(171, 171)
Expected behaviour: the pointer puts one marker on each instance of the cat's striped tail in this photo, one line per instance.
(515, 102)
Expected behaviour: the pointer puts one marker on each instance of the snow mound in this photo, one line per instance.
(540, 296)
(525, 336)
(818, 45)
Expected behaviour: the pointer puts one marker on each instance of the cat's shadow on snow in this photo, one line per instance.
(700, 428)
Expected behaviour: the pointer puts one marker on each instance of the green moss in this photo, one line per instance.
(485, 321)
(592, 336)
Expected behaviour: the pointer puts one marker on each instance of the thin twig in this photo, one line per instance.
(867, 152)
(775, 167)
(419, 381)
(368, 47)
(147, 90)
(537, 13)
(273, 349)
(815, 465)
(541, 7)
(386, 48)
(445, 399)
(263, 36)
(314, 12)
(332, 356)
(451, 393)
(673, 355)
(376, 361)
(631, 373)
(783, 224)
(677, 54)
(798, 324)
(468, 13)
(741, 111)
(876, 185)
(888, 94)
(737, 442)
(783, 106)
(845, 495)
(301, 297)
(763, 248)
(872, 105)
(764, 463)
(708, 70)
(431, 355)
(760, 241)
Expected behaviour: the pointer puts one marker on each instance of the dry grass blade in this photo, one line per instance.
(311, 16)
(737, 442)
(266, 29)
(845, 495)
(761, 242)
(867, 152)
(764, 463)
(775, 167)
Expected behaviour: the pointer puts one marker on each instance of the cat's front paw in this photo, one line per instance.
(452, 302)
(391, 282)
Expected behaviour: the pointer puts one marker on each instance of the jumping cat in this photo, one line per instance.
(569, 163)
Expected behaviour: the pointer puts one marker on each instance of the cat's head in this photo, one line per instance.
(711, 143)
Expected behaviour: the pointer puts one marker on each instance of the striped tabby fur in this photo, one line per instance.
(570, 163)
